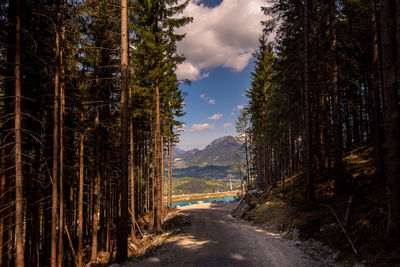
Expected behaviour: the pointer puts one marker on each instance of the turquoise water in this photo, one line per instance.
(186, 203)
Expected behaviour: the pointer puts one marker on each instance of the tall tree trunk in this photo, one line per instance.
(158, 204)
(162, 173)
(170, 152)
(122, 243)
(96, 185)
(80, 196)
(2, 201)
(376, 99)
(290, 151)
(19, 216)
(392, 116)
(337, 125)
(62, 112)
(132, 169)
(307, 119)
(54, 203)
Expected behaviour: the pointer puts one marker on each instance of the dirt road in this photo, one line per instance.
(215, 238)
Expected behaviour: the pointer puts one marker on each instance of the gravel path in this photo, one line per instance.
(215, 238)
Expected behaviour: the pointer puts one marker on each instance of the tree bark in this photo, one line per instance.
(337, 125)
(307, 128)
(132, 169)
(96, 192)
(62, 112)
(391, 114)
(80, 196)
(122, 239)
(376, 99)
(158, 148)
(2, 200)
(171, 152)
(19, 216)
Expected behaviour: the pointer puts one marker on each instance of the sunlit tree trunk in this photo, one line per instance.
(122, 238)
(158, 148)
(170, 153)
(132, 172)
(19, 216)
(80, 195)
(62, 112)
(2, 200)
(96, 185)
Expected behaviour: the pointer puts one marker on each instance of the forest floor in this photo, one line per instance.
(213, 237)
(360, 212)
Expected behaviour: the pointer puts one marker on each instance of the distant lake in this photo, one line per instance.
(186, 203)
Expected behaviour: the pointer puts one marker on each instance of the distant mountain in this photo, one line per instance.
(178, 152)
(222, 151)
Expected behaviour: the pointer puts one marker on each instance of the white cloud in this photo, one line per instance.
(225, 35)
(232, 114)
(215, 116)
(240, 107)
(226, 125)
(207, 98)
(188, 71)
(201, 127)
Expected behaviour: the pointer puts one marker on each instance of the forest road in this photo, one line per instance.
(215, 238)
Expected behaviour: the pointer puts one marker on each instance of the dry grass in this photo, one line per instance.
(283, 209)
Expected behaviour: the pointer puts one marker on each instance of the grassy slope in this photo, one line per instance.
(283, 209)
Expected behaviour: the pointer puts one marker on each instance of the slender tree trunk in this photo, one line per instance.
(158, 204)
(337, 125)
(290, 145)
(54, 203)
(19, 202)
(80, 196)
(307, 120)
(96, 185)
(150, 185)
(132, 168)
(122, 243)
(62, 112)
(162, 173)
(108, 204)
(376, 99)
(171, 153)
(2, 201)
(392, 114)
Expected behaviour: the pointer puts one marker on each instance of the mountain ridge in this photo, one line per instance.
(221, 151)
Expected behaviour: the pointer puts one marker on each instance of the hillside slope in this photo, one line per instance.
(361, 211)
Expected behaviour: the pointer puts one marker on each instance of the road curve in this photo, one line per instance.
(215, 238)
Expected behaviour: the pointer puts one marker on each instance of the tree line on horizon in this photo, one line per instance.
(89, 109)
(326, 85)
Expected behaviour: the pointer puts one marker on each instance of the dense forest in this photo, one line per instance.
(90, 108)
(326, 85)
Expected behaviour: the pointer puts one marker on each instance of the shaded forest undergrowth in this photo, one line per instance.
(146, 241)
(362, 211)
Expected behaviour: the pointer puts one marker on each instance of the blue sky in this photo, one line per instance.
(218, 48)
(226, 88)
